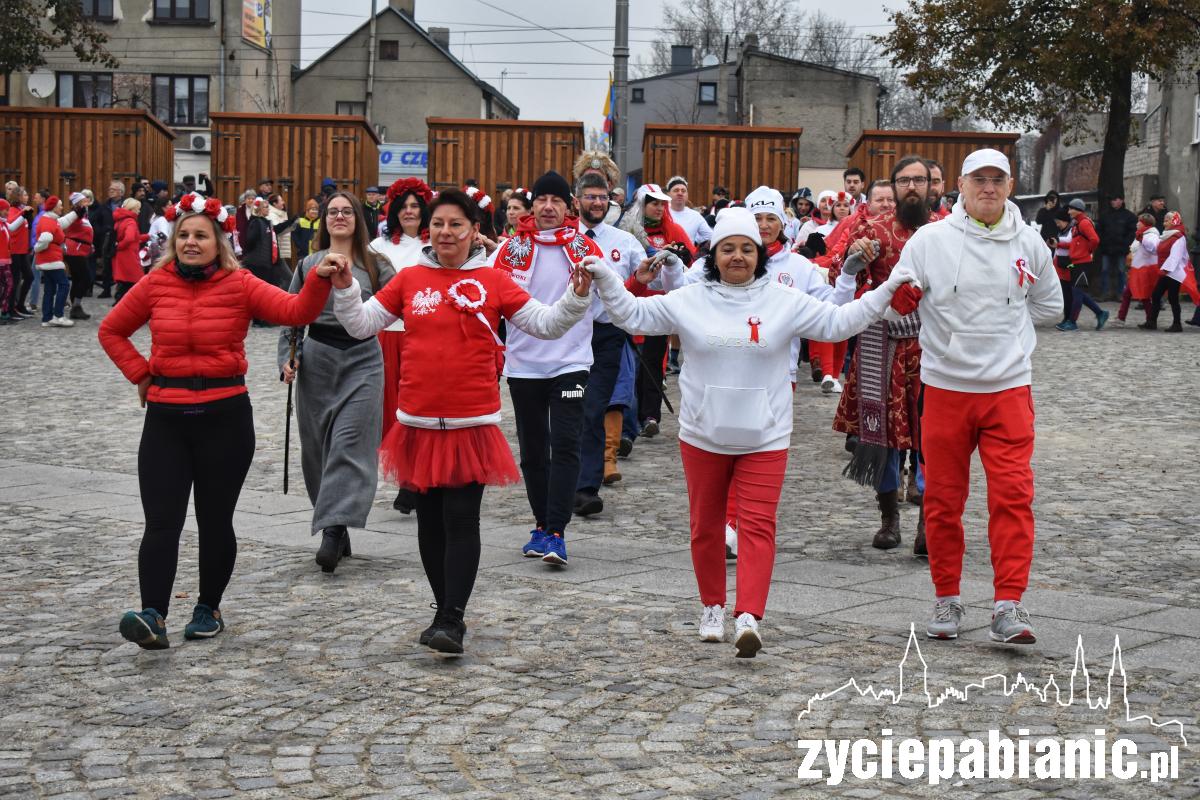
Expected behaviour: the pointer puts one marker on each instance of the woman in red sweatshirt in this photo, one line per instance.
(199, 430)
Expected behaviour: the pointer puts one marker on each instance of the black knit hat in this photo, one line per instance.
(552, 184)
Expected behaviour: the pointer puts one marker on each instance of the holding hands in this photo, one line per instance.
(336, 267)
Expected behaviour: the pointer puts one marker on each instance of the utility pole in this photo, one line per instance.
(370, 64)
(621, 88)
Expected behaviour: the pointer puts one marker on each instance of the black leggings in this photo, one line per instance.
(448, 535)
(81, 285)
(209, 447)
(1169, 287)
(649, 391)
(22, 270)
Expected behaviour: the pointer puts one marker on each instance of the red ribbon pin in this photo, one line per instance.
(754, 322)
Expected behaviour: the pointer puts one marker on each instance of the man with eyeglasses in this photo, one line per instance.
(983, 279)
(601, 422)
(879, 401)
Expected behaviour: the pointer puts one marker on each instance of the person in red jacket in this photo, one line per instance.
(6, 282)
(78, 246)
(48, 259)
(127, 263)
(1085, 272)
(19, 220)
(199, 430)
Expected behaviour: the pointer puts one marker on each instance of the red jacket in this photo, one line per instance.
(1084, 240)
(127, 264)
(19, 239)
(79, 235)
(198, 328)
(49, 233)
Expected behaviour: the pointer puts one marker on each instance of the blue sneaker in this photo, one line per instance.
(147, 629)
(1067, 325)
(1101, 319)
(536, 548)
(556, 550)
(206, 623)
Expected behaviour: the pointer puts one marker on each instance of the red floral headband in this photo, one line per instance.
(414, 185)
(198, 204)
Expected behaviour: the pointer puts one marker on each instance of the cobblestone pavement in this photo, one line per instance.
(588, 681)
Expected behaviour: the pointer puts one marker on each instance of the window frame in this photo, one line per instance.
(702, 85)
(97, 15)
(360, 104)
(1196, 119)
(175, 18)
(75, 88)
(637, 94)
(170, 118)
(390, 43)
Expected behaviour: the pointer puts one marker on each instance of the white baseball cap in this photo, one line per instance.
(735, 221)
(987, 157)
(765, 200)
(653, 190)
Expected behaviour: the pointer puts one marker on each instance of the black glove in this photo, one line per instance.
(680, 250)
(816, 244)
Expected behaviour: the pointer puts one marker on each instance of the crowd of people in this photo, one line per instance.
(406, 311)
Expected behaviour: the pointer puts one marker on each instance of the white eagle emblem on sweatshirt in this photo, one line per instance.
(426, 302)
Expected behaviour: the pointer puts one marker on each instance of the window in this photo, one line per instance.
(181, 10)
(85, 89)
(389, 50)
(348, 108)
(639, 96)
(1196, 121)
(708, 94)
(98, 9)
(181, 99)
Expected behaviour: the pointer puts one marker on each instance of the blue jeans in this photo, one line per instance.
(1112, 264)
(608, 342)
(891, 474)
(35, 286)
(56, 285)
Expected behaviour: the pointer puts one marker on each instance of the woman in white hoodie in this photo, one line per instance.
(735, 417)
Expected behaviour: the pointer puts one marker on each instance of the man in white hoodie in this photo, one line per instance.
(985, 278)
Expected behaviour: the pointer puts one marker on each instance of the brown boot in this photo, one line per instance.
(912, 494)
(888, 535)
(612, 440)
(919, 548)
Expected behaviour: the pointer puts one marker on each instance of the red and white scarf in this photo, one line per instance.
(518, 252)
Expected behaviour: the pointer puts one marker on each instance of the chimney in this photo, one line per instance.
(441, 36)
(750, 42)
(405, 7)
(682, 57)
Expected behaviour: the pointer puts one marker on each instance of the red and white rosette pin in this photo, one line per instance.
(754, 322)
(469, 296)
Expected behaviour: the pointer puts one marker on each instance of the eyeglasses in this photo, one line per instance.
(983, 180)
(594, 198)
(348, 213)
(920, 180)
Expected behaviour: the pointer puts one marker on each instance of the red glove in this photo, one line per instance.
(906, 298)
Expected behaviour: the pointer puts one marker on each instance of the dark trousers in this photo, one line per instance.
(122, 288)
(1169, 287)
(650, 386)
(549, 417)
(22, 270)
(608, 342)
(81, 284)
(1112, 268)
(1083, 275)
(205, 448)
(448, 536)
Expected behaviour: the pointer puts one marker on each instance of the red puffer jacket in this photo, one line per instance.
(198, 328)
(79, 234)
(126, 264)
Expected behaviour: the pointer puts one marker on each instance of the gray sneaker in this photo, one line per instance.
(947, 616)
(1012, 625)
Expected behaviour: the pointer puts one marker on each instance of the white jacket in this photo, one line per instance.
(735, 395)
(1145, 252)
(1175, 265)
(979, 302)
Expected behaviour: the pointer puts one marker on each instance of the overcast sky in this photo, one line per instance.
(546, 74)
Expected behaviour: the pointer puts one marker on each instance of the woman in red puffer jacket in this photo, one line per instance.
(126, 263)
(199, 430)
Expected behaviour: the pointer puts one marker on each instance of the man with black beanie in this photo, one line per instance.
(548, 378)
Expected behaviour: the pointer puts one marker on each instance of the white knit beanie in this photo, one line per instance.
(765, 200)
(735, 222)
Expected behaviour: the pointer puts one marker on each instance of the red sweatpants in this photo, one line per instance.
(830, 355)
(1000, 424)
(759, 481)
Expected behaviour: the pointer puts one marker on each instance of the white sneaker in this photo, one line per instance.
(837, 387)
(827, 384)
(730, 543)
(712, 624)
(746, 638)
(48, 324)
(62, 322)
(1117, 322)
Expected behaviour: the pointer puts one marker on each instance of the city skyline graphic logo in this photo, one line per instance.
(1048, 691)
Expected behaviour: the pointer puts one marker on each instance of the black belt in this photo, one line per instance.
(197, 383)
(334, 336)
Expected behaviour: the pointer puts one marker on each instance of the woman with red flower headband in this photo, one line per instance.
(199, 430)
(406, 231)
(447, 445)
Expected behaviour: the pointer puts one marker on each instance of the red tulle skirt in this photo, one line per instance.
(421, 459)
(391, 342)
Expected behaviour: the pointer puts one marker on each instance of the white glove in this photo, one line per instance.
(599, 268)
(899, 276)
(854, 264)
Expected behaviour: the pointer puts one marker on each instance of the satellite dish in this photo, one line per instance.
(41, 83)
(709, 60)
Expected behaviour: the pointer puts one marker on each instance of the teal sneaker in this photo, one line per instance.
(1101, 319)
(147, 629)
(206, 623)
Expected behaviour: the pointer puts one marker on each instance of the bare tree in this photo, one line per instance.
(708, 25)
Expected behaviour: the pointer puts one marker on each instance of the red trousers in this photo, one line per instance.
(1000, 425)
(830, 355)
(758, 478)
